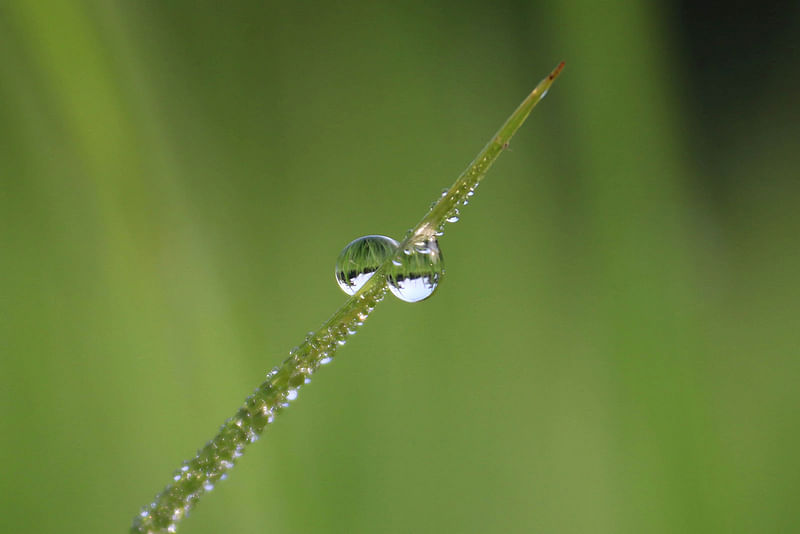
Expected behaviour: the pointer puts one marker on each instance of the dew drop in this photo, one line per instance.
(419, 274)
(360, 259)
(452, 219)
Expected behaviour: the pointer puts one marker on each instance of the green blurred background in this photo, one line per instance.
(614, 347)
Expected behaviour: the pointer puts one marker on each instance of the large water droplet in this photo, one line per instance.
(419, 274)
(360, 259)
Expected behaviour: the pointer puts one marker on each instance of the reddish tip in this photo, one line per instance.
(556, 72)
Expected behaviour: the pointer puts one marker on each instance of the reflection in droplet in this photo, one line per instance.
(360, 259)
(420, 272)
(411, 276)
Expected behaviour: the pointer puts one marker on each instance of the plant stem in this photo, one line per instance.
(198, 475)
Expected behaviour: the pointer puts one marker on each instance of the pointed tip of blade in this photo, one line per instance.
(556, 72)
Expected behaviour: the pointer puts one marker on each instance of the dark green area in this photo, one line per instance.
(613, 348)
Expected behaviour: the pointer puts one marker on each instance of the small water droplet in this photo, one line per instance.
(208, 486)
(452, 219)
(325, 360)
(359, 260)
(291, 394)
(419, 275)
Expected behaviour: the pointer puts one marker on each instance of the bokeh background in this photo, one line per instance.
(614, 348)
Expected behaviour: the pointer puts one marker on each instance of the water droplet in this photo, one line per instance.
(325, 360)
(419, 275)
(452, 219)
(291, 394)
(360, 259)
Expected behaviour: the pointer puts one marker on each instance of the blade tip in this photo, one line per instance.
(556, 72)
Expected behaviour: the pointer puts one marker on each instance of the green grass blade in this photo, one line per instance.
(198, 475)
